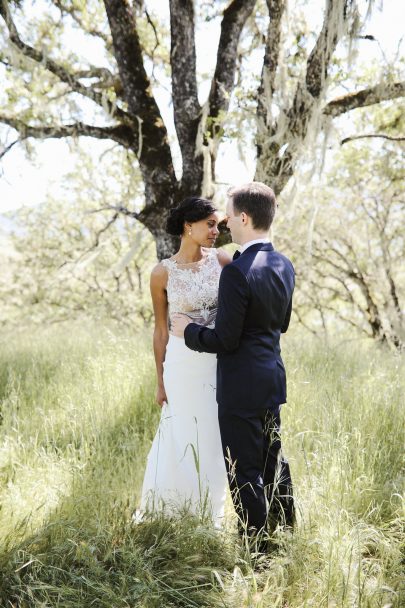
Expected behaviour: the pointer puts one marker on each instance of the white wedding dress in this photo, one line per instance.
(185, 466)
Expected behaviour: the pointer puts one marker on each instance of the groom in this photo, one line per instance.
(254, 308)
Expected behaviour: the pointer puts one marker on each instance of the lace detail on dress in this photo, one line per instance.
(192, 289)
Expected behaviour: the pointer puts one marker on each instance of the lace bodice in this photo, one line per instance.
(192, 289)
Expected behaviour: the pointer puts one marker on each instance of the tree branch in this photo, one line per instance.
(8, 148)
(96, 241)
(371, 135)
(154, 158)
(235, 16)
(303, 323)
(271, 59)
(153, 26)
(110, 222)
(308, 93)
(70, 10)
(96, 72)
(365, 97)
(55, 68)
(273, 164)
(120, 209)
(120, 133)
(320, 56)
(187, 110)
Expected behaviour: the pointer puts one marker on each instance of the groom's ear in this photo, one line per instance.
(244, 217)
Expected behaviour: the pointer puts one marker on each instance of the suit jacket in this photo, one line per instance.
(254, 308)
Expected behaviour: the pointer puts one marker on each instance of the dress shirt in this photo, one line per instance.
(249, 243)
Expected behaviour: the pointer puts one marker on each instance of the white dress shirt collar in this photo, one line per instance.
(249, 243)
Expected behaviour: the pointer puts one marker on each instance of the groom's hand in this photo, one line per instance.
(179, 323)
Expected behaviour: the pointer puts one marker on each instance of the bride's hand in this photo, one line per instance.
(179, 323)
(161, 396)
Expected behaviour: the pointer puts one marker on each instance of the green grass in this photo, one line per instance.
(77, 419)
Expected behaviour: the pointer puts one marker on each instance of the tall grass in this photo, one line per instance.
(77, 420)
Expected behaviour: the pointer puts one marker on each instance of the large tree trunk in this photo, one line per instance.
(138, 123)
(162, 190)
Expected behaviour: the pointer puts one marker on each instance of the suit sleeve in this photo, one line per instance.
(287, 318)
(233, 299)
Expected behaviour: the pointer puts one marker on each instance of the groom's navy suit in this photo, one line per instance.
(254, 308)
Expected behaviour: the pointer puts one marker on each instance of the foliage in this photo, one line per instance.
(104, 71)
(77, 422)
(343, 232)
(346, 235)
(69, 260)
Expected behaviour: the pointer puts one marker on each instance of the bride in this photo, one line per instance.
(185, 466)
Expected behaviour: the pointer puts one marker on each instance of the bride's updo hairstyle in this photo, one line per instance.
(191, 209)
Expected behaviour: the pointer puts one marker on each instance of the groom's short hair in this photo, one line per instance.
(257, 200)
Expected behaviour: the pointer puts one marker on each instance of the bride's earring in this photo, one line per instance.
(189, 232)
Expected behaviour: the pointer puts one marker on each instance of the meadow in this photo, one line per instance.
(77, 417)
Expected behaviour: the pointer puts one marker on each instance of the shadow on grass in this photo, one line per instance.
(88, 551)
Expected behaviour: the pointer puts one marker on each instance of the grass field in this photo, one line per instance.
(77, 417)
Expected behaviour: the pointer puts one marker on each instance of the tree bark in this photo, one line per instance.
(222, 84)
(282, 140)
(363, 98)
(187, 110)
(134, 119)
(153, 153)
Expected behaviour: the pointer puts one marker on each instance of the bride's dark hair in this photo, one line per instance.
(191, 209)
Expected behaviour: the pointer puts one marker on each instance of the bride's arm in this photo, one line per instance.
(158, 283)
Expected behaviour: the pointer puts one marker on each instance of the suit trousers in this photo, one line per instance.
(258, 474)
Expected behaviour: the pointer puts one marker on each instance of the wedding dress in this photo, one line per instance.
(185, 466)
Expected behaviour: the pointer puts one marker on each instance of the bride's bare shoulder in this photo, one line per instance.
(158, 275)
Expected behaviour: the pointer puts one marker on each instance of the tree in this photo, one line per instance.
(286, 118)
(65, 261)
(348, 247)
(53, 81)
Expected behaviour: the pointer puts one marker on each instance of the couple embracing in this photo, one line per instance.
(221, 379)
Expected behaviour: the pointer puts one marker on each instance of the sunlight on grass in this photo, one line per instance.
(77, 420)
(36, 490)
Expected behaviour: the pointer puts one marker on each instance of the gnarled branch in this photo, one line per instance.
(365, 97)
(120, 209)
(70, 10)
(55, 68)
(235, 16)
(120, 133)
(187, 109)
(8, 148)
(155, 157)
(308, 93)
(371, 135)
(320, 56)
(271, 60)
